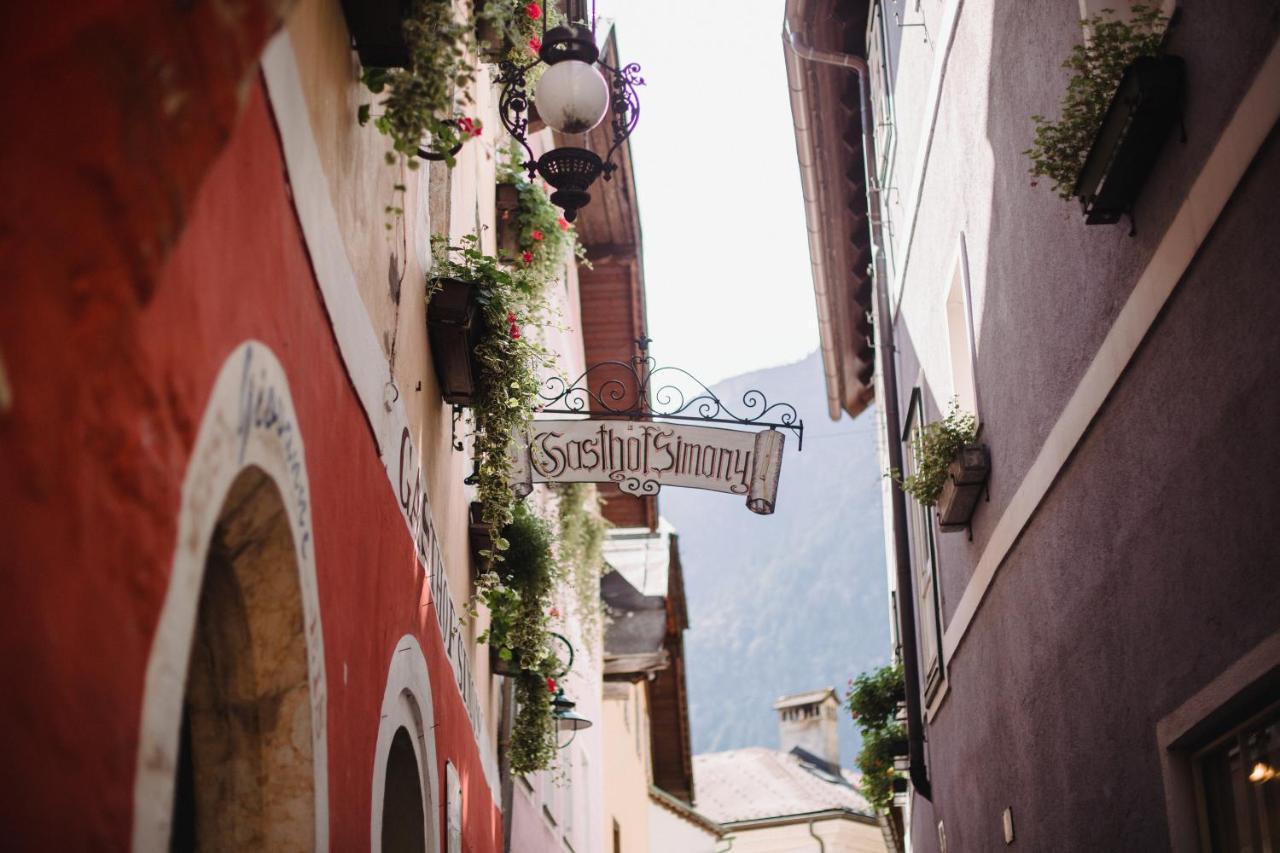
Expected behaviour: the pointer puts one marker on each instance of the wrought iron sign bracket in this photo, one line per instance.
(640, 390)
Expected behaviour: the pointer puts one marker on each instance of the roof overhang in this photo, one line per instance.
(827, 117)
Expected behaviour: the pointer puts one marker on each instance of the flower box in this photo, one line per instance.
(375, 27)
(966, 481)
(478, 534)
(508, 212)
(455, 326)
(498, 666)
(1146, 107)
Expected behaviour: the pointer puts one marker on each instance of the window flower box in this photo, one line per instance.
(1143, 112)
(965, 484)
(455, 326)
(376, 27)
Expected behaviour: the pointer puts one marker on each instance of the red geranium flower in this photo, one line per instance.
(535, 44)
(534, 11)
(563, 223)
(511, 317)
(554, 613)
(536, 235)
(551, 685)
(527, 257)
(515, 332)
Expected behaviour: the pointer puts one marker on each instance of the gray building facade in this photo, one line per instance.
(1095, 663)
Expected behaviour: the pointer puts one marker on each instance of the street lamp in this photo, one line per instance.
(574, 94)
(567, 719)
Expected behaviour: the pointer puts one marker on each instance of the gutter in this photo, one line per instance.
(837, 813)
(795, 46)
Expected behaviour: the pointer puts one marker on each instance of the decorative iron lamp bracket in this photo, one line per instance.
(570, 170)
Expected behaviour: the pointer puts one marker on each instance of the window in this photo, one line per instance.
(1237, 780)
(960, 335)
(924, 559)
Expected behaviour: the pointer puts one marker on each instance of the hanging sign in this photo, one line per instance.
(642, 456)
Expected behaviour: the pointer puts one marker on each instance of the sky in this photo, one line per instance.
(725, 254)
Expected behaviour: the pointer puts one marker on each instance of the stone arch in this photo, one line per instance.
(236, 669)
(406, 732)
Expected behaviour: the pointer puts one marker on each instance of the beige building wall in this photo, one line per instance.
(839, 835)
(671, 833)
(391, 265)
(626, 755)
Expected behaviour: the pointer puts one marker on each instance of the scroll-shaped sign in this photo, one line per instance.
(642, 456)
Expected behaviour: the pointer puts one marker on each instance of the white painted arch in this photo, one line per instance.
(249, 422)
(406, 702)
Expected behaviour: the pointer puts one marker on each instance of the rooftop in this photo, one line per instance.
(756, 783)
(805, 698)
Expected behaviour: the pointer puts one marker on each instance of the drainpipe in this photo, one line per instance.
(822, 845)
(793, 42)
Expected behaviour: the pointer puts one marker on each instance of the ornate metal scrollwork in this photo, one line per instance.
(624, 104)
(640, 389)
(513, 107)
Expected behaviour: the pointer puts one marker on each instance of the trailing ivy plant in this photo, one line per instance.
(519, 603)
(1060, 147)
(509, 363)
(418, 101)
(581, 550)
(934, 447)
(872, 701)
(545, 238)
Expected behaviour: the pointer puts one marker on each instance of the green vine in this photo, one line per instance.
(872, 701)
(934, 447)
(419, 99)
(519, 603)
(1060, 147)
(582, 534)
(509, 362)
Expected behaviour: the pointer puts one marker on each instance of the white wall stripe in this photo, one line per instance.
(1213, 187)
(365, 362)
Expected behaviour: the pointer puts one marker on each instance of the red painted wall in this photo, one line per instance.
(109, 388)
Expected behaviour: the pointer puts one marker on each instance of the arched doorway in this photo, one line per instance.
(403, 824)
(245, 764)
(406, 801)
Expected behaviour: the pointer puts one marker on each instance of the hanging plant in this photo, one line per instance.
(934, 448)
(519, 601)
(872, 701)
(545, 240)
(514, 28)
(508, 361)
(582, 531)
(1060, 147)
(418, 110)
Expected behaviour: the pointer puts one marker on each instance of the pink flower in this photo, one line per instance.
(527, 257)
(511, 317)
(536, 235)
(534, 11)
(515, 332)
(563, 223)
(554, 613)
(535, 44)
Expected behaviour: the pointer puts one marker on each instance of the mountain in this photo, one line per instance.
(789, 602)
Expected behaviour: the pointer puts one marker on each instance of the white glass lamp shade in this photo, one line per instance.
(572, 96)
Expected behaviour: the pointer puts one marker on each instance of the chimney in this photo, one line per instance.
(808, 721)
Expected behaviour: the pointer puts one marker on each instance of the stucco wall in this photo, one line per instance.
(669, 832)
(837, 836)
(1142, 574)
(126, 392)
(626, 753)
(1148, 571)
(1045, 287)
